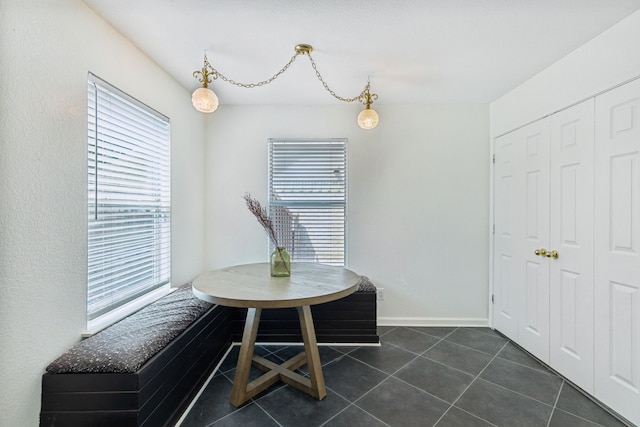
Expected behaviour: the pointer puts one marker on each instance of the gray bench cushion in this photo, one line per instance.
(365, 285)
(125, 346)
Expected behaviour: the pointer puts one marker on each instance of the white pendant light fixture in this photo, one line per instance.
(368, 118)
(206, 101)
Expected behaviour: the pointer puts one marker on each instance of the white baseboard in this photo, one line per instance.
(433, 321)
(204, 386)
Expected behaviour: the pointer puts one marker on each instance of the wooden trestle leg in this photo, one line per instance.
(314, 385)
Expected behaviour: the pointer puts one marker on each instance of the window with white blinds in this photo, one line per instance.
(308, 198)
(129, 199)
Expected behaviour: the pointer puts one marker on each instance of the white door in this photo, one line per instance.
(533, 322)
(617, 250)
(571, 235)
(508, 214)
(521, 217)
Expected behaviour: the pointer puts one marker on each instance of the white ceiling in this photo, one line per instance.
(413, 51)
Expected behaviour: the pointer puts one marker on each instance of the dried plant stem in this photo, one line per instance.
(262, 216)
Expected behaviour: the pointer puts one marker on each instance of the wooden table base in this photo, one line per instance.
(244, 390)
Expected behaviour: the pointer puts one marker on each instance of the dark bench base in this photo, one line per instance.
(156, 395)
(161, 390)
(349, 320)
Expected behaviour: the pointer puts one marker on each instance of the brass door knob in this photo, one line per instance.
(552, 254)
(541, 252)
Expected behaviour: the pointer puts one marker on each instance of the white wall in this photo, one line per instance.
(46, 50)
(607, 60)
(418, 200)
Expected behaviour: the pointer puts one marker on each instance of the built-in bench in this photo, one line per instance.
(147, 368)
(141, 371)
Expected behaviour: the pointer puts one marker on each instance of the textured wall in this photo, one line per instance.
(417, 202)
(46, 50)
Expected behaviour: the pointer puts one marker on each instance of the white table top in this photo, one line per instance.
(251, 285)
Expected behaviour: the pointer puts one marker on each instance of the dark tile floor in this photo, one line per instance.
(443, 377)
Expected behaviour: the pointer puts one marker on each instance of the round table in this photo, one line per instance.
(251, 286)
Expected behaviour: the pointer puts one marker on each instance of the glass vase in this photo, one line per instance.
(280, 263)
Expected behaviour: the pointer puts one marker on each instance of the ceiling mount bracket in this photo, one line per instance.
(304, 49)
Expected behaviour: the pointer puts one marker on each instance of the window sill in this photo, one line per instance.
(96, 325)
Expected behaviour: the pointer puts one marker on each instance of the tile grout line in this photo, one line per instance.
(452, 404)
(424, 356)
(418, 329)
(577, 388)
(418, 388)
(555, 404)
(369, 413)
(354, 405)
(405, 365)
(517, 392)
(440, 339)
(466, 412)
(497, 356)
(380, 370)
(340, 411)
(540, 371)
(417, 355)
(583, 418)
(393, 328)
(396, 371)
(237, 410)
(254, 399)
(475, 349)
(543, 371)
(267, 412)
(549, 370)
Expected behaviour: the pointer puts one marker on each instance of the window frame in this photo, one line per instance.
(343, 160)
(137, 161)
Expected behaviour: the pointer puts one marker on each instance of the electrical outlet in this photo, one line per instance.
(380, 294)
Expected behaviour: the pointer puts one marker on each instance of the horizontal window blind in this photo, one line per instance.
(129, 211)
(308, 198)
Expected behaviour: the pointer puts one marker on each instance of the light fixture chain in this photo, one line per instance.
(326, 86)
(208, 72)
(215, 74)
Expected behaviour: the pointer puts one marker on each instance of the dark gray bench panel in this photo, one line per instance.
(136, 392)
(348, 320)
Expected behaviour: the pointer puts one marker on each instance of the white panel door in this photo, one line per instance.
(617, 250)
(571, 235)
(508, 214)
(533, 321)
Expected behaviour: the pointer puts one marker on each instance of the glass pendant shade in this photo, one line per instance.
(204, 100)
(368, 118)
